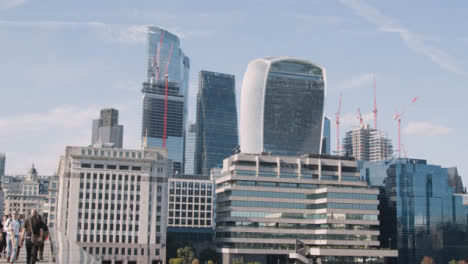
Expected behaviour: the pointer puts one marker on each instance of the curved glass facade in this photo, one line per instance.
(282, 107)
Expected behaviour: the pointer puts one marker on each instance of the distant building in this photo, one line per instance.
(420, 212)
(365, 143)
(326, 137)
(52, 201)
(24, 194)
(282, 106)
(2, 164)
(190, 210)
(265, 204)
(165, 118)
(216, 120)
(455, 180)
(106, 129)
(190, 143)
(113, 202)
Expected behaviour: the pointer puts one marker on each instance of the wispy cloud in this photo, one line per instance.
(6, 4)
(114, 32)
(319, 19)
(364, 79)
(425, 129)
(412, 40)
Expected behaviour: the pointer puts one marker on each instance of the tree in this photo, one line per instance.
(427, 260)
(207, 254)
(187, 254)
(210, 262)
(453, 261)
(175, 261)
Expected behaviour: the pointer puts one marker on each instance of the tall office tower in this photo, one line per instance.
(112, 202)
(420, 212)
(365, 143)
(51, 204)
(2, 164)
(190, 144)
(216, 120)
(282, 106)
(165, 110)
(106, 129)
(326, 136)
(190, 211)
(265, 204)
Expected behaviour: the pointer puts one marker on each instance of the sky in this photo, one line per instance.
(62, 61)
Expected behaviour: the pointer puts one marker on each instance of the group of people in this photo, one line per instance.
(16, 231)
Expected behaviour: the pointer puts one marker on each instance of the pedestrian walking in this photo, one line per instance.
(2, 238)
(41, 245)
(21, 218)
(32, 233)
(13, 228)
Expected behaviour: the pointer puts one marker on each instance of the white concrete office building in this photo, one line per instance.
(266, 204)
(112, 202)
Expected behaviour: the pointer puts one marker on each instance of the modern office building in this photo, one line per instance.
(50, 206)
(216, 120)
(420, 212)
(266, 203)
(190, 210)
(2, 164)
(190, 145)
(165, 110)
(365, 143)
(113, 202)
(326, 136)
(282, 106)
(106, 129)
(24, 194)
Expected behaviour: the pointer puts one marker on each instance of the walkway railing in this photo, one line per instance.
(65, 251)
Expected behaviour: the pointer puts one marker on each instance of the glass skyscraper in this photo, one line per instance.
(164, 53)
(190, 143)
(282, 106)
(216, 120)
(326, 136)
(420, 213)
(2, 164)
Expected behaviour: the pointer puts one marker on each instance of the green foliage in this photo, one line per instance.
(187, 254)
(427, 260)
(452, 262)
(210, 262)
(208, 254)
(175, 261)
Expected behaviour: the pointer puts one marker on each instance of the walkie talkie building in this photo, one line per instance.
(282, 106)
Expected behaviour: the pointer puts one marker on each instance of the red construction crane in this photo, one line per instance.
(359, 116)
(398, 117)
(375, 105)
(166, 75)
(337, 116)
(158, 56)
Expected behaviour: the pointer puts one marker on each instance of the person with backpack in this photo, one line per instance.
(12, 227)
(3, 236)
(21, 218)
(33, 232)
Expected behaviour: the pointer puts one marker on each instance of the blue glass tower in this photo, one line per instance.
(216, 120)
(326, 136)
(164, 53)
(420, 213)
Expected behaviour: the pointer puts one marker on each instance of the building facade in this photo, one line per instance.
(165, 110)
(112, 202)
(365, 143)
(190, 210)
(106, 129)
(190, 145)
(24, 194)
(265, 203)
(282, 106)
(421, 214)
(216, 120)
(50, 206)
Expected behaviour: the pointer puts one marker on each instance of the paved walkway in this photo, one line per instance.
(22, 256)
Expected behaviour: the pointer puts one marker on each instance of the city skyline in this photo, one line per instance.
(417, 51)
